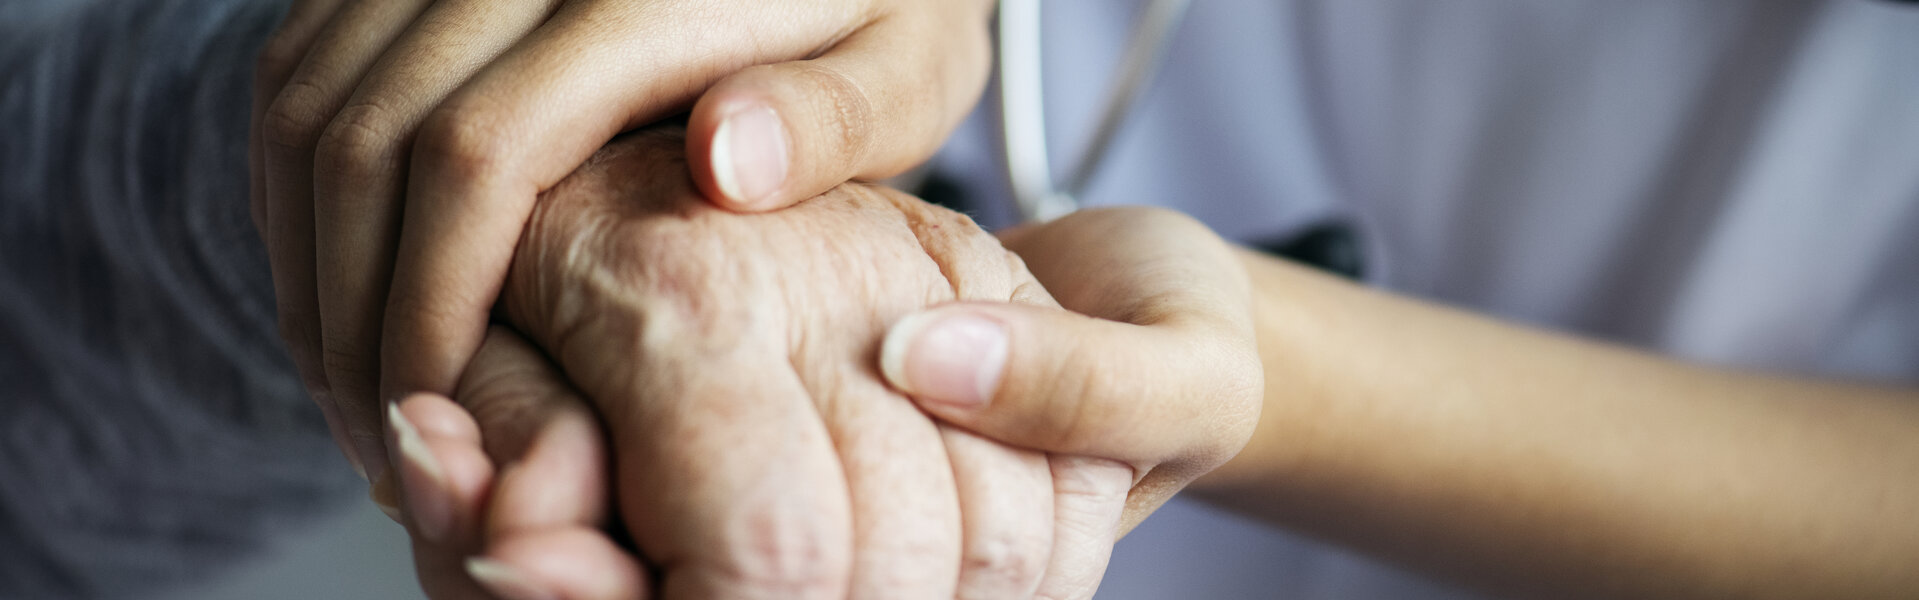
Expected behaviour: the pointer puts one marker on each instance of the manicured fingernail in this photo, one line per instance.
(386, 496)
(950, 356)
(504, 581)
(427, 499)
(749, 155)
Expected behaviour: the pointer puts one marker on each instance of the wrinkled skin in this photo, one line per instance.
(521, 463)
(757, 450)
(398, 145)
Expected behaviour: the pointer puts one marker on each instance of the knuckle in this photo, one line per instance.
(296, 117)
(361, 139)
(788, 555)
(1016, 558)
(1088, 489)
(843, 109)
(461, 143)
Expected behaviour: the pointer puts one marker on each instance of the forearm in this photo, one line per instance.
(1533, 462)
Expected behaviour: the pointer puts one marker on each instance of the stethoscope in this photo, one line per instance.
(1333, 246)
(1029, 170)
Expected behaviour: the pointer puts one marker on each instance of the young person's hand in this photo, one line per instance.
(1155, 365)
(456, 113)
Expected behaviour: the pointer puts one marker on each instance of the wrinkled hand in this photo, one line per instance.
(734, 359)
(515, 475)
(1156, 366)
(469, 108)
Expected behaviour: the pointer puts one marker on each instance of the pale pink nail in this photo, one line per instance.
(949, 356)
(749, 155)
(427, 497)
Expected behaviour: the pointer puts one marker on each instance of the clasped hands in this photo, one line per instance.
(753, 445)
(693, 402)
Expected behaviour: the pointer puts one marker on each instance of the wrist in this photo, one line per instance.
(1293, 420)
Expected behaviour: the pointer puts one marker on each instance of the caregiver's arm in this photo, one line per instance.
(1516, 459)
(1530, 461)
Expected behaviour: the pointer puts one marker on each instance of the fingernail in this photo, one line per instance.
(951, 356)
(504, 581)
(427, 500)
(749, 155)
(386, 497)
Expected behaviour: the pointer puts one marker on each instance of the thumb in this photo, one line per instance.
(772, 135)
(1059, 381)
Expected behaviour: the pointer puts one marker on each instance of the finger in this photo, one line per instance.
(1150, 374)
(1089, 496)
(526, 121)
(359, 174)
(385, 493)
(444, 473)
(291, 127)
(1006, 496)
(517, 407)
(906, 519)
(1059, 381)
(561, 480)
(444, 478)
(754, 509)
(274, 65)
(878, 103)
(570, 563)
(551, 451)
(442, 572)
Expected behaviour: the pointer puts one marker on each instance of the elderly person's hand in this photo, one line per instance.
(469, 108)
(520, 462)
(735, 360)
(1156, 366)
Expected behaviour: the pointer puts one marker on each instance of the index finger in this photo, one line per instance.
(528, 120)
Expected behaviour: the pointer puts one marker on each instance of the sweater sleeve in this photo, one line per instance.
(151, 426)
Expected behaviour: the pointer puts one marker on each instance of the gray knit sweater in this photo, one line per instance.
(151, 428)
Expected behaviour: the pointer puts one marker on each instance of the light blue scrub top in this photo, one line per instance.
(1727, 181)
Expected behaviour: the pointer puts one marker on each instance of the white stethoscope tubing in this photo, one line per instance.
(1029, 171)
